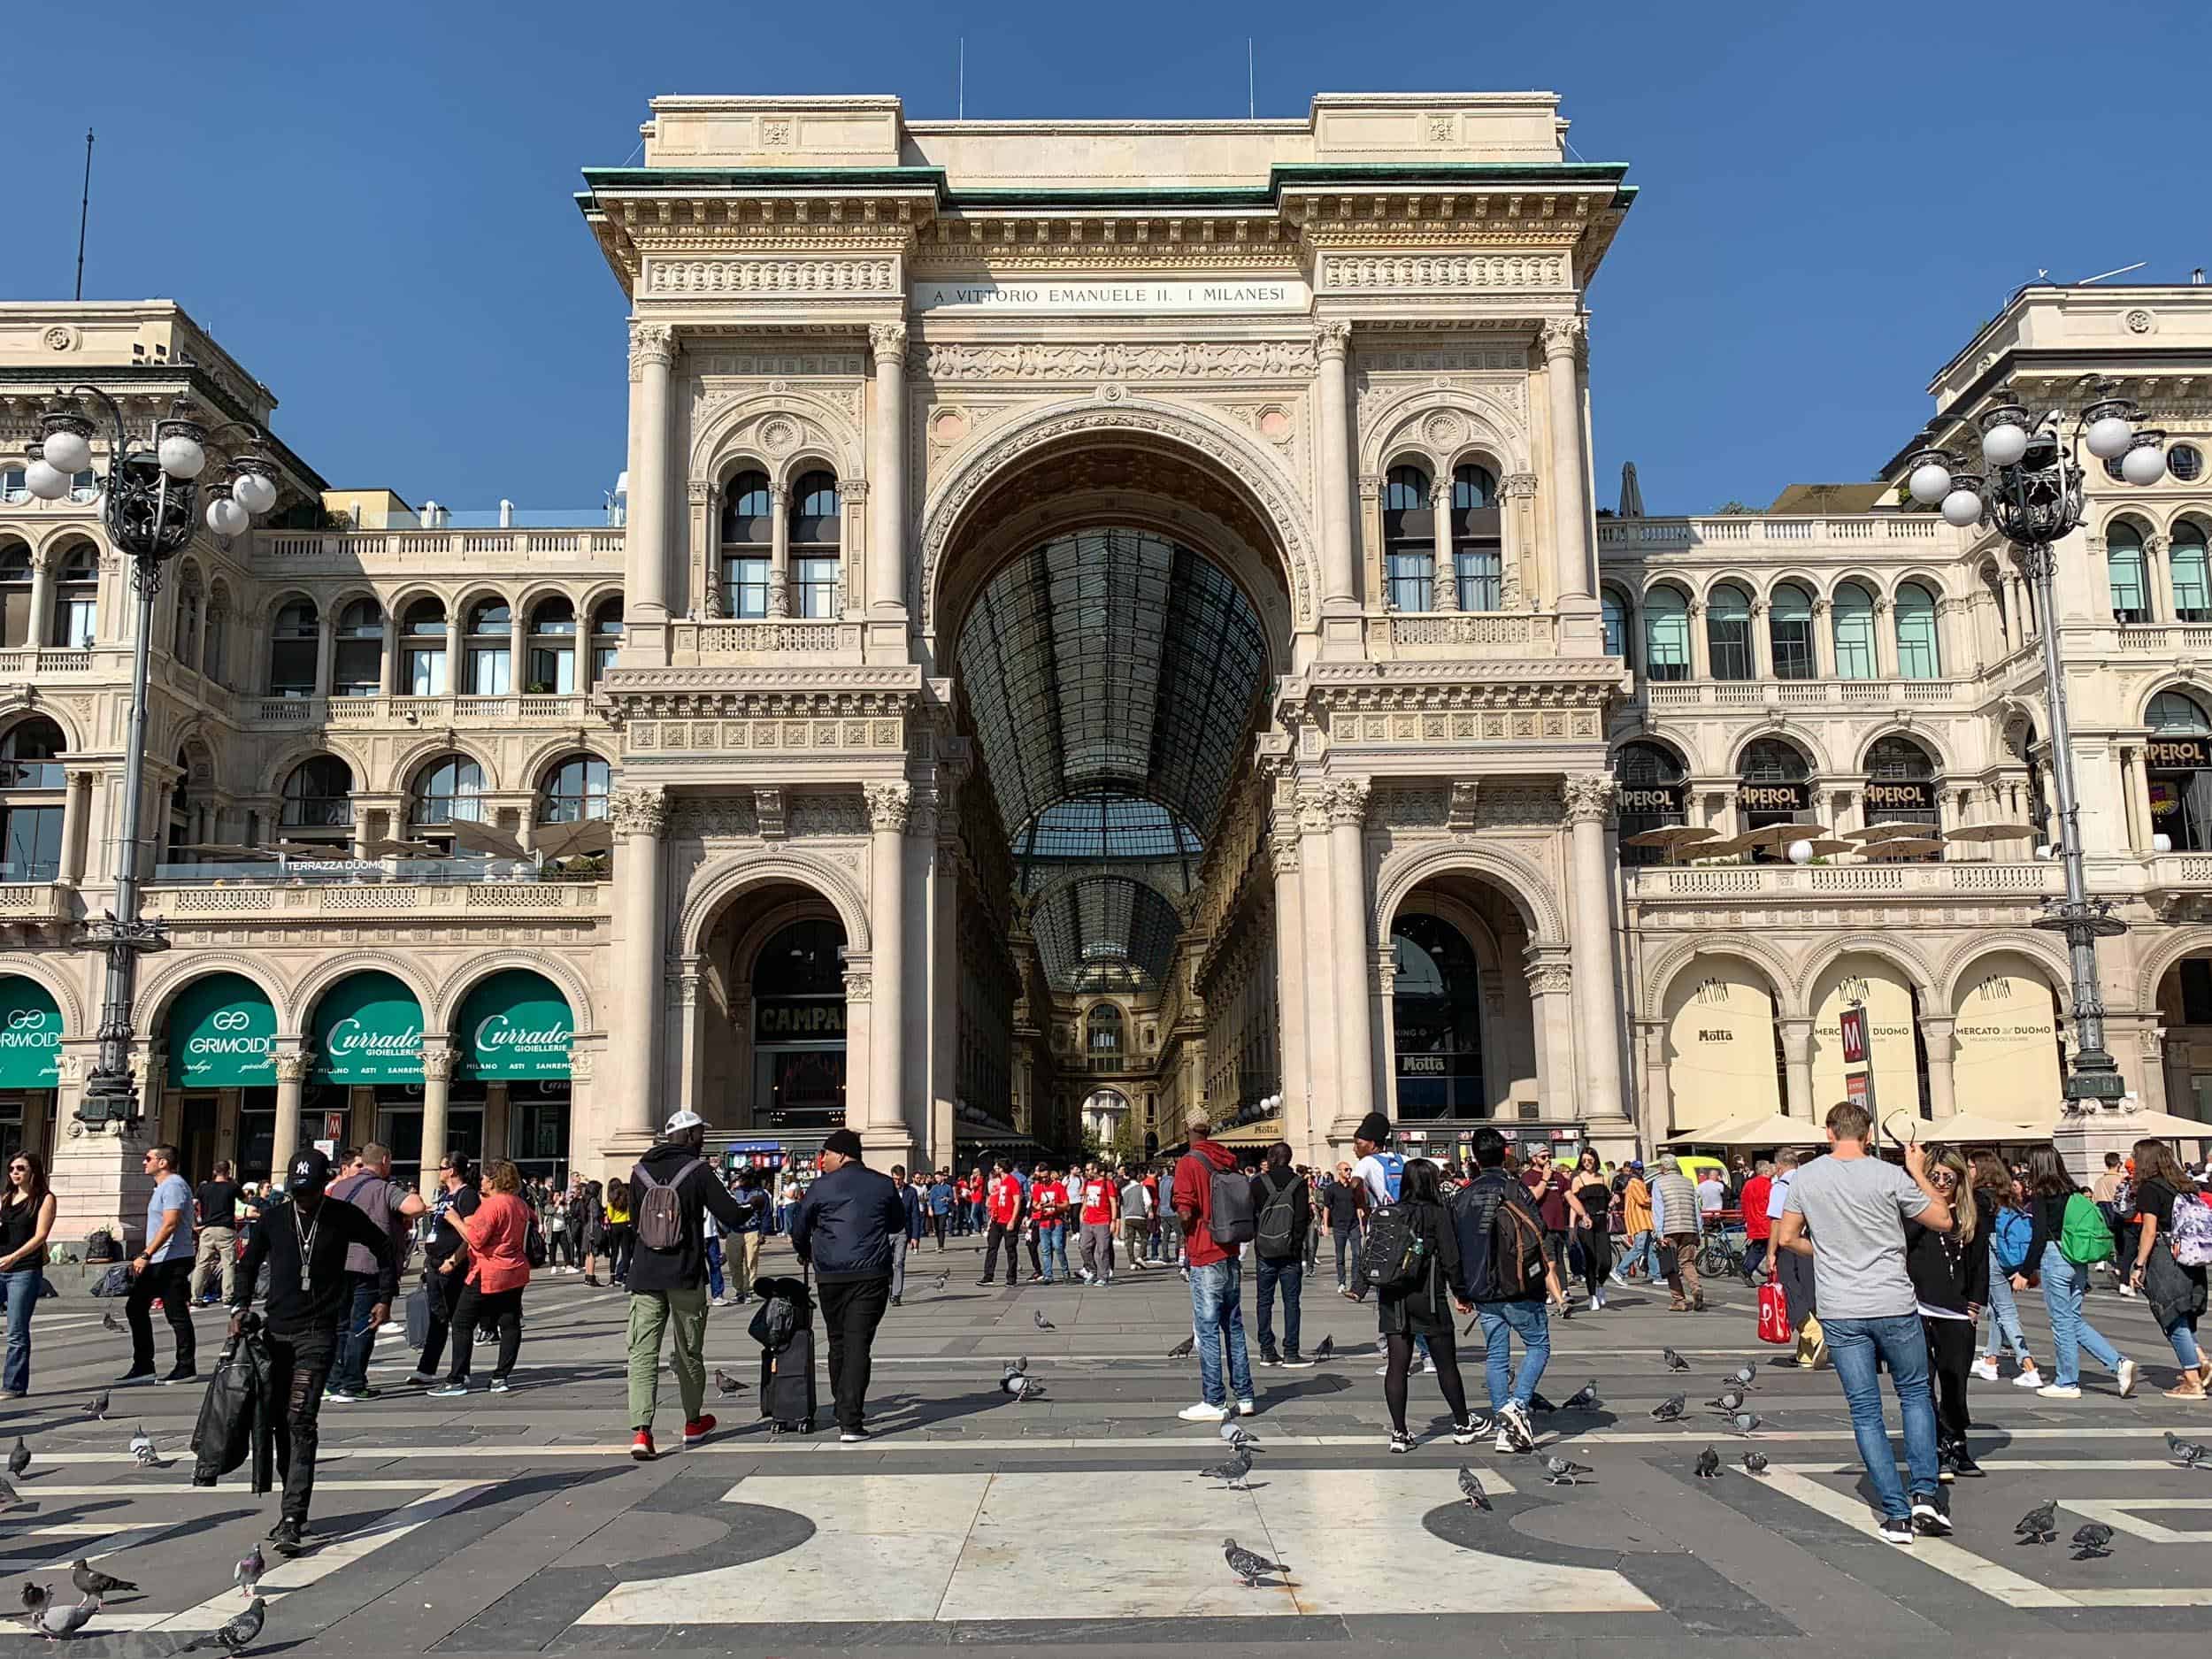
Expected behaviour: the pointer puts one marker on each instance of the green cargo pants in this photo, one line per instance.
(651, 1311)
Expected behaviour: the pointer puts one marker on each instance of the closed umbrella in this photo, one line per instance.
(1631, 492)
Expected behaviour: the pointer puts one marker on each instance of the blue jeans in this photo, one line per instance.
(1052, 1246)
(350, 1368)
(2004, 1314)
(1643, 1248)
(1501, 1321)
(1291, 1277)
(1216, 1312)
(2064, 1286)
(1900, 1343)
(714, 1263)
(18, 1289)
(1347, 1245)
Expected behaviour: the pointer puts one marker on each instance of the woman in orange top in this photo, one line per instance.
(496, 1260)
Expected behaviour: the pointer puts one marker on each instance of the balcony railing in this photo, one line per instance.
(1979, 878)
(761, 636)
(1750, 531)
(431, 547)
(1800, 694)
(307, 900)
(1520, 631)
(27, 661)
(526, 708)
(38, 900)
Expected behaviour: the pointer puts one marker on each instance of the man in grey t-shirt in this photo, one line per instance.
(367, 1185)
(1848, 1211)
(163, 1271)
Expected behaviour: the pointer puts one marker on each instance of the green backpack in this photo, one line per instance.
(2084, 1237)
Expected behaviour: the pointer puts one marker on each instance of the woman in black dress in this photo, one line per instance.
(1424, 1308)
(1593, 1227)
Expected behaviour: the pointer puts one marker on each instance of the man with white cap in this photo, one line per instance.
(672, 1188)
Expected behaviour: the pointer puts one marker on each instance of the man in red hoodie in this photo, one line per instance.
(1217, 1302)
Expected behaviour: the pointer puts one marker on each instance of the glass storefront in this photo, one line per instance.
(1437, 1009)
(799, 1029)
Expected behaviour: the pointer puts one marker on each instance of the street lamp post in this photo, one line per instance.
(150, 503)
(2033, 496)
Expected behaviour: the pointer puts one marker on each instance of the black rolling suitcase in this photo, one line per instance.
(787, 1384)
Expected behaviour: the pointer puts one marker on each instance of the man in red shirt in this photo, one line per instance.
(1217, 1302)
(1758, 1230)
(1003, 1204)
(1102, 1211)
(1049, 1203)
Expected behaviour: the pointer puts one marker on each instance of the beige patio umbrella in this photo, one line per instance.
(1770, 1130)
(1668, 835)
(485, 839)
(1783, 834)
(1828, 847)
(1991, 833)
(1886, 831)
(1727, 849)
(1982, 1129)
(572, 840)
(1904, 846)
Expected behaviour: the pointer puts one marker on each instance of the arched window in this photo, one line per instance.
(817, 533)
(1613, 610)
(1476, 556)
(1728, 632)
(1666, 634)
(317, 801)
(2125, 574)
(184, 633)
(606, 637)
(491, 633)
(1901, 784)
(1105, 1025)
(2186, 562)
(1790, 630)
(33, 788)
(1854, 632)
(1408, 540)
(76, 619)
(1653, 792)
(357, 656)
(749, 528)
(292, 649)
(2179, 780)
(16, 622)
(1919, 655)
(423, 640)
(215, 648)
(574, 790)
(2178, 711)
(446, 790)
(552, 647)
(1436, 1008)
(1773, 786)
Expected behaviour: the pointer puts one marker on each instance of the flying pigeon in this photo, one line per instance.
(1328, 1350)
(143, 1448)
(109, 1322)
(91, 1581)
(51, 1620)
(1675, 1362)
(1043, 1324)
(1730, 1400)
(1246, 1565)
(727, 1384)
(1744, 1422)
(1561, 1471)
(1583, 1398)
(1232, 1472)
(1470, 1488)
(2038, 1525)
(19, 1458)
(1709, 1464)
(1236, 1434)
(1755, 1463)
(1669, 1409)
(96, 1407)
(247, 1574)
(1743, 1377)
(239, 1634)
(2092, 1541)
(1181, 1350)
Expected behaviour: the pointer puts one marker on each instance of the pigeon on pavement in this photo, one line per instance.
(2187, 1454)
(34, 1597)
(2038, 1525)
(1675, 1362)
(1470, 1488)
(1181, 1350)
(1236, 1435)
(1709, 1464)
(109, 1322)
(1755, 1463)
(1246, 1565)
(1562, 1471)
(143, 1448)
(1669, 1409)
(1744, 1422)
(1043, 1324)
(944, 1279)
(239, 1634)
(1232, 1472)
(1014, 1368)
(1728, 1400)
(9, 1497)
(2092, 1541)
(1743, 1377)
(96, 1407)
(247, 1574)
(53, 1620)
(1023, 1387)
(1537, 1402)
(91, 1581)
(1328, 1350)
(19, 1458)
(727, 1384)
(1583, 1398)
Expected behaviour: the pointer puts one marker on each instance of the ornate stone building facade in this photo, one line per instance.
(1107, 618)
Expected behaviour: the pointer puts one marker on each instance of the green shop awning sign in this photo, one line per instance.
(222, 1035)
(514, 1025)
(368, 1029)
(30, 1035)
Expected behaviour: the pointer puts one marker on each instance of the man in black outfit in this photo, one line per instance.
(846, 1230)
(459, 1198)
(304, 1243)
(218, 1253)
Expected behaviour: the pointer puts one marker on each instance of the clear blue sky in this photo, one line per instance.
(372, 206)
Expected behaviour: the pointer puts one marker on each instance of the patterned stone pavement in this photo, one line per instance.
(517, 1523)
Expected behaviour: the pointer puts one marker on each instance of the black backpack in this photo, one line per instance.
(1229, 1217)
(1395, 1254)
(1276, 1233)
(1517, 1248)
(785, 1308)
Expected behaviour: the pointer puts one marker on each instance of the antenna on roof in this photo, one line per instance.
(2123, 271)
(84, 210)
(961, 101)
(1251, 84)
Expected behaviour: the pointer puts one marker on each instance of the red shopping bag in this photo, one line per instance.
(1774, 1316)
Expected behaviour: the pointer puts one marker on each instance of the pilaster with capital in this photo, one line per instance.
(1589, 798)
(780, 549)
(437, 1082)
(1343, 802)
(640, 816)
(293, 1061)
(1564, 340)
(886, 475)
(1446, 566)
(646, 532)
(1331, 343)
(890, 807)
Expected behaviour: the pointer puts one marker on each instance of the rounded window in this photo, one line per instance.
(446, 790)
(1653, 792)
(318, 800)
(1408, 538)
(574, 790)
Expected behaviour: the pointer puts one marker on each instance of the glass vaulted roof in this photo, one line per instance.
(1105, 932)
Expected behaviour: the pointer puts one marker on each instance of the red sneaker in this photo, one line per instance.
(641, 1446)
(698, 1429)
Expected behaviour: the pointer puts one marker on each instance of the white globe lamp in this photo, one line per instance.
(1801, 852)
(2109, 438)
(45, 480)
(226, 517)
(2161, 844)
(1929, 483)
(181, 457)
(1962, 509)
(67, 452)
(2004, 443)
(253, 491)
(2145, 463)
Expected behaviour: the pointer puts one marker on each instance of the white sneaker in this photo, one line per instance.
(2126, 1374)
(2059, 1391)
(1985, 1368)
(391, 1327)
(1244, 1408)
(1594, 1303)
(2030, 1378)
(1505, 1441)
(1204, 1413)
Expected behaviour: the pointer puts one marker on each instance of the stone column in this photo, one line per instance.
(1701, 648)
(1885, 642)
(437, 1081)
(1292, 954)
(1589, 802)
(455, 652)
(652, 418)
(886, 480)
(1797, 1068)
(640, 820)
(1332, 345)
(292, 1061)
(76, 827)
(43, 599)
(1317, 991)
(324, 648)
(1551, 980)
(883, 1117)
(388, 666)
(1563, 339)
(1938, 1034)
(1824, 641)
(1346, 800)
(1447, 570)
(518, 650)
(2173, 1075)
(779, 550)
(2162, 578)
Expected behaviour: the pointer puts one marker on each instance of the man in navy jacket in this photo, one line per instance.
(849, 1228)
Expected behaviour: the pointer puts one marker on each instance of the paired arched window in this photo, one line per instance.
(1773, 786)
(16, 622)
(575, 790)
(552, 647)
(2186, 563)
(606, 637)
(1653, 793)
(356, 655)
(317, 801)
(1613, 612)
(1919, 655)
(1408, 540)
(1105, 1026)
(1901, 778)
(2127, 574)
(1854, 632)
(490, 646)
(1478, 557)
(1790, 631)
(1666, 634)
(423, 638)
(32, 796)
(749, 529)
(1728, 632)
(292, 653)
(76, 602)
(816, 539)
(446, 790)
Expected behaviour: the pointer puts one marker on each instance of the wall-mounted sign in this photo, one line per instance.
(2004, 1057)
(30, 1035)
(798, 1020)
(1650, 798)
(1238, 296)
(222, 1035)
(1720, 1044)
(1885, 1045)
(515, 1025)
(1907, 796)
(1773, 797)
(368, 1029)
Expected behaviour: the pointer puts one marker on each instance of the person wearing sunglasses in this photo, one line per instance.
(27, 1217)
(1949, 1268)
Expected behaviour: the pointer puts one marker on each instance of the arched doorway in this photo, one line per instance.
(798, 1030)
(1436, 1012)
(365, 1079)
(1653, 794)
(1464, 1032)
(30, 1066)
(1902, 783)
(220, 1035)
(512, 1039)
(2179, 770)
(2185, 1012)
(2007, 1056)
(1774, 785)
(1724, 1044)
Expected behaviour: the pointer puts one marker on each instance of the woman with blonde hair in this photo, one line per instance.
(2174, 1289)
(2001, 1213)
(496, 1260)
(1950, 1280)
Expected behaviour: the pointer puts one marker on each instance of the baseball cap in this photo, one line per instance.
(308, 1173)
(1635, 1164)
(681, 1121)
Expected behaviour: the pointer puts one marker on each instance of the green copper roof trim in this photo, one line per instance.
(694, 177)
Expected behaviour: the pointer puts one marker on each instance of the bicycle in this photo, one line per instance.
(1720, 1255)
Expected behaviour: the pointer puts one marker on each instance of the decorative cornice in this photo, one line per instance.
(771, 275)
(1123, 360)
